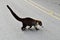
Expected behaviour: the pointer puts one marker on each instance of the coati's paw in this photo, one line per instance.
(23, 29)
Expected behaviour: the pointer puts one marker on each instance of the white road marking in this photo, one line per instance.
(43, 9)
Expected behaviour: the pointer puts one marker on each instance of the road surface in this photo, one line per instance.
(10, 27)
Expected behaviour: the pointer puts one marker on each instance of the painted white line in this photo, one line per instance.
(41, 8)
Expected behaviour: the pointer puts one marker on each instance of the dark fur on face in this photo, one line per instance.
(26, 21)
(39, 22)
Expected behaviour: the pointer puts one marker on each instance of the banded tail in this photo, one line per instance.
(19, 19)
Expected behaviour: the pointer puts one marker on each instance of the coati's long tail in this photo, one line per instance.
(19, 19)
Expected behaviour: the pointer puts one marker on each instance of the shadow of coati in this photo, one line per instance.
(26, 21)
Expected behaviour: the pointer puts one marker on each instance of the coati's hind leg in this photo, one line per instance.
(24, 27)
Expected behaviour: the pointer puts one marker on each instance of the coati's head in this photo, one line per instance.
(40, 23)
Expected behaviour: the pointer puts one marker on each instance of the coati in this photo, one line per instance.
(26, 21)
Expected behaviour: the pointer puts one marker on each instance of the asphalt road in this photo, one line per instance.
(10, 27)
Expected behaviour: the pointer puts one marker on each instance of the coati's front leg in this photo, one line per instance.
(35, 26)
